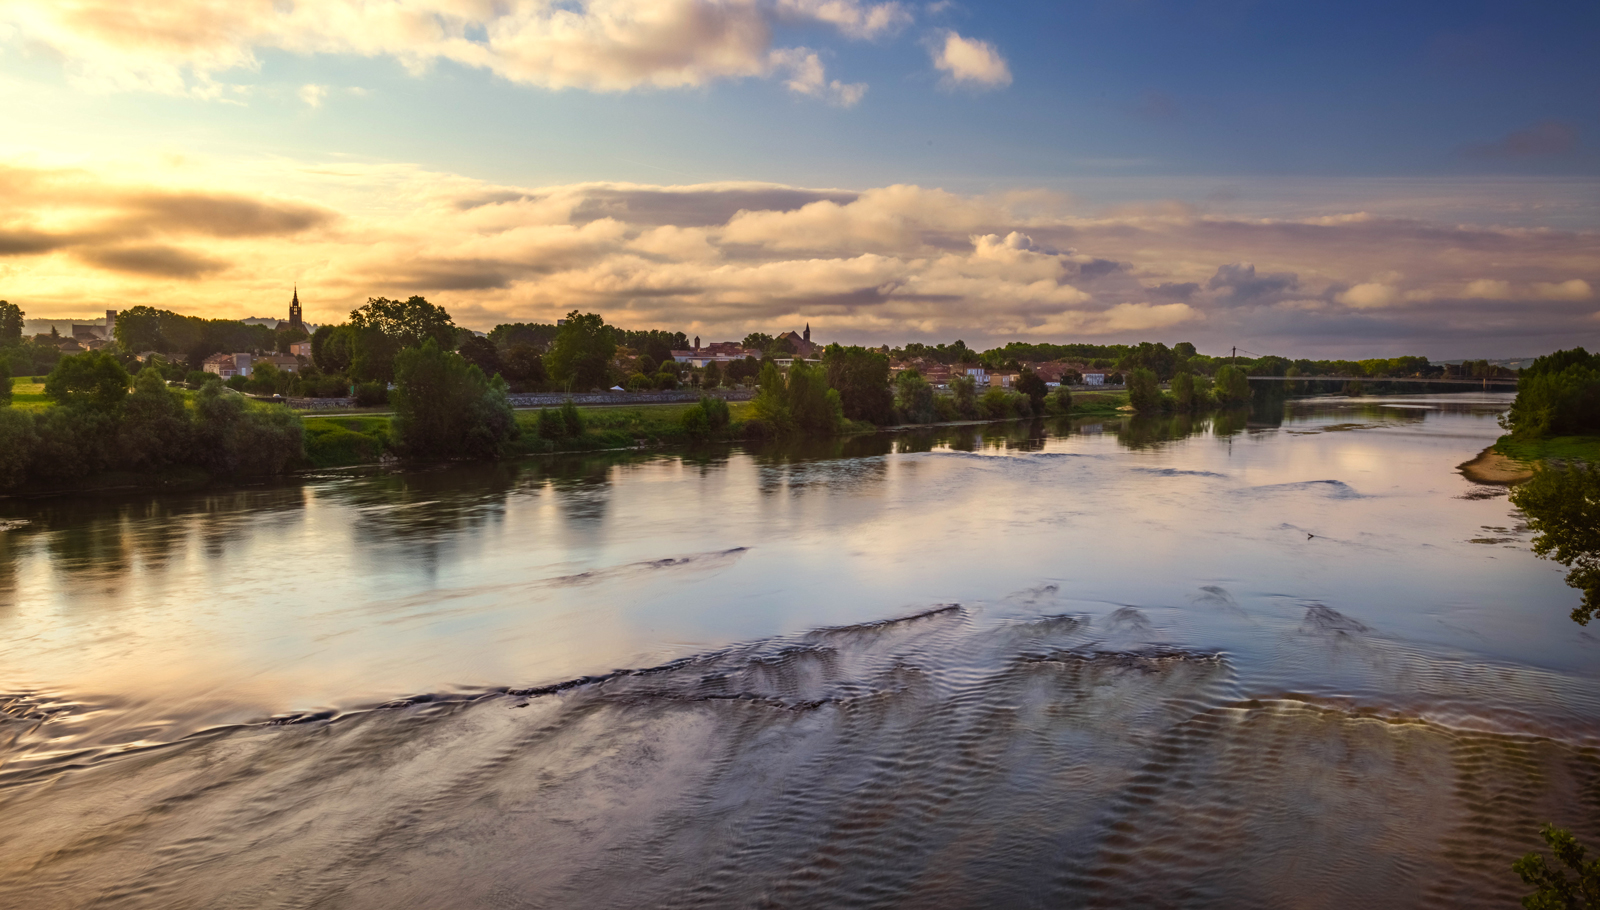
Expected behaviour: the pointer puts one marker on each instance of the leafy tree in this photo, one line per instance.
(233, 438)
(647, 364)
(1157, 358)
(1553, 889)
(1184, 350)
(1232, 387)
(1143, 392)
(286, 335)
(93, 380)
(997, 404)
(771, 406)
(10, 324)
(1030, 384)
(5, 384)
(1062, 399)
(694, 422)
(708, 417)
(18, 439)
(331, 348)
(965, 392)
(581, 353)
(717, 413)
(712, 376)
(915, 397)
(536, 335)
(742, 371)
(524, 367)
(445, 407)
(409, 323)
(481, 353)
(1558, 394)
(861, 376)
(372, 354)
(815, 408)
(72, 443)
(758, 341)
(1563, 509)
(155, 427)
(1183, 392)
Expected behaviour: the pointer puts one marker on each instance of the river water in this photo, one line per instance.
(1289, 659)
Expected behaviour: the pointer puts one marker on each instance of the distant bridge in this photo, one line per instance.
(1481, 383)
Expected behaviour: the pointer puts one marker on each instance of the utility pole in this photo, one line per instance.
(1233, 359)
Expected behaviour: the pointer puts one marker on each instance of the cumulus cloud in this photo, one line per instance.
(806, 77)
(312, 95)
(191, 46)
(969, 62)
(886, 264)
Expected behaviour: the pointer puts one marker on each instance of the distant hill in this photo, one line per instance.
(1510, 363)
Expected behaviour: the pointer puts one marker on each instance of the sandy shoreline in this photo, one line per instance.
(1491, 467)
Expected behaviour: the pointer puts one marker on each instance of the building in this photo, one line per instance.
(295, 322)
(802, 343)
(300, 349)
(1094, 379)
(285, 363)
(718, 352)
(979, 375)
(229, 365)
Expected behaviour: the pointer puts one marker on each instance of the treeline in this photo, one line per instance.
(99, 425)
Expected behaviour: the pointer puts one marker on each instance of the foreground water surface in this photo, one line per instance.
(1285, 659)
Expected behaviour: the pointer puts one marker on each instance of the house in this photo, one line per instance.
(718, 352)
(1094, 379)
(285, 363)
(803, 347)
(1002, 380)
(300, 349)
(228, 365)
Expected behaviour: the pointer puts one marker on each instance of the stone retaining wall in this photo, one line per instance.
(554, 399)
(319, 404)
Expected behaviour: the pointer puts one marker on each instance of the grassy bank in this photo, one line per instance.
(27, 395)
(1098, 404)
(1562, 448)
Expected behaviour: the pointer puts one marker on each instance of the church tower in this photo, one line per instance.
(807, 335)
(294, 310)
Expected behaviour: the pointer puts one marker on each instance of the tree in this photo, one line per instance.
(372, 354)
(155, 427)
(1183, 392)
(742, 371)
(862, 378)
(1563, 509)
(581, 355)
(1184, 350)
(1030, 384)
(915, 396)
(1557, 395)
(1232, 386)
(331, 348)
(5, 384)
(1553, 889)
(409, 323)
(757, 341)
(712, 377)
(771, 406)
(10, 324)
(18, 439)
(815, 408)
(445, 407)
(524, 367)
(965, 389)
(1143, 392)
(286, 335)
(481, 353)
(232, 437)
(93, 380)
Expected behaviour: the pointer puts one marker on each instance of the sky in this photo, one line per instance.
(1314, 180)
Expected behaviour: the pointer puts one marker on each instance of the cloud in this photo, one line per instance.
(154, 260)
(883, 264)
(806, 77)
(1575, 289)
(850, 17)
(1241, 285)
(968, 62)
(186, 46)
(1542, 140)
(312, 95)
(1369, 295)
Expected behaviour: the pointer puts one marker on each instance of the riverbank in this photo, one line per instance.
(1495, 469)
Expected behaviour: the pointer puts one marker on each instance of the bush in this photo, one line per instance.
(944, 408)
(1143, 392)
(639, 382)
(92, 380)
(695, 422)
(1060, 401)
(716, 412)
(914, 397)
(156, 428)
(666, 381)
(551, 426)
(571, 418)
(997, 404)
(194, 379)
(335, 445)
(231, 437)
(964, 390)
(707, 418)
(371, 394)
(18, 440)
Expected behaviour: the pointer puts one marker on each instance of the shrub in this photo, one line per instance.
(90, 380)
(17, 443)
(156, 428)
(716, 412)
(446, 408)
(233, 438)
(194, 379)
(1143, 392)
(1060, 401)
(551, 426)
(571, 418)
(695, 422)
(996, 404)
(914, 397)
(371, 394)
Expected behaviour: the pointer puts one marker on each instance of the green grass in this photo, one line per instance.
(1098, 403)
(1566, 448)
(338, 441)
(27, 395)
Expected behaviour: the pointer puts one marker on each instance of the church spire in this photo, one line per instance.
(294, 309)
(807, 335)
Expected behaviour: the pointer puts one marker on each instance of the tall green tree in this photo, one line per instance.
(409, 322)
(10, 324)
(862, 378)
(332, 348)
(914, 396)
(155, 428)
(233, 437)
(815, 408)
(1032, 385)
(1557, 395)
(1232, 386)
(580, 357)
(1143, 392)
(965, 390)
(93, 380)
(446, 408)
(5, 383)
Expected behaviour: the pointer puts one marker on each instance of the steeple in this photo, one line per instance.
(807, 335)
(294, 309)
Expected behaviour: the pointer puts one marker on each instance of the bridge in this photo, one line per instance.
(1481, 383)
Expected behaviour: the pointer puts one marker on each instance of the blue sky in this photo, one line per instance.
(1434, 116)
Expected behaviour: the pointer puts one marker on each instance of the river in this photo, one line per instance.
(1284, 659)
